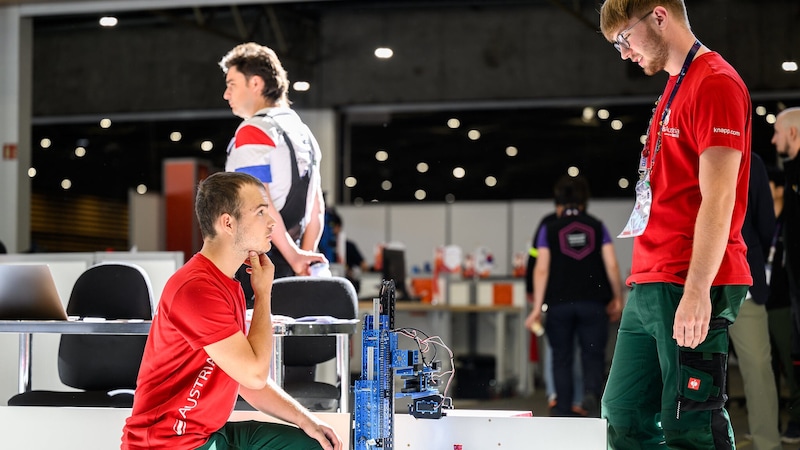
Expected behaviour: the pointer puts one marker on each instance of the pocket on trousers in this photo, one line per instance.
(701, 378)
(702, 374)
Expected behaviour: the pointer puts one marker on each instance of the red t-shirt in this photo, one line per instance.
(181, 395)
(711, 108)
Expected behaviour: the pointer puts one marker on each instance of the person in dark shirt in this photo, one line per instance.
(779, 313)
(750, 333)
(353, 260)
(786, 139)
(547, 366)
(577, 275)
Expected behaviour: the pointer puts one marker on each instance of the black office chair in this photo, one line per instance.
(104, 367)
(311, 296)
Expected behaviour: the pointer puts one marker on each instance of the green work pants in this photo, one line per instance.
(254, 435)
(659, 395)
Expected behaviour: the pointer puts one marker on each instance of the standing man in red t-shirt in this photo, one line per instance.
(199, 354)
(689, 274)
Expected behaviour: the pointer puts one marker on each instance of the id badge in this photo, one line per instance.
(641, 210)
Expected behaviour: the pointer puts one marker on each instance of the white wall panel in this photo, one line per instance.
(420, 228)
(366, 226)
(483, 224)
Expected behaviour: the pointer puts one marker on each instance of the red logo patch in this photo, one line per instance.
(694, 384)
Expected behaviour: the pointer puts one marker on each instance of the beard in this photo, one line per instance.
(658, 50)
(243, 243)
(781, 146)
(785, 153)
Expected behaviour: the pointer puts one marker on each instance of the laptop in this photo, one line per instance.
(28, 292)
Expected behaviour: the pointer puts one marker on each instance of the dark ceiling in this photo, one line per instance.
(549, 137)
(549, 141)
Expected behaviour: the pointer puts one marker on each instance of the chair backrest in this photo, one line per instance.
(312, 296)
(100, 362)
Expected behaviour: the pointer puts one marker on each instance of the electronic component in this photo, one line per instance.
(380, 361)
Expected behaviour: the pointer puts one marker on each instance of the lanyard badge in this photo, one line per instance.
(641, 210)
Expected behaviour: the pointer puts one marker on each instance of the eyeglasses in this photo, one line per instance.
(622, 40)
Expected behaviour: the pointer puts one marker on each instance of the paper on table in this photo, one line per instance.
(324, 319)
(278, 318)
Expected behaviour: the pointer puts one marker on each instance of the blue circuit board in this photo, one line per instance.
(374, 391)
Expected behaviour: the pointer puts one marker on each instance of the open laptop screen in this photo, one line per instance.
(27, 291)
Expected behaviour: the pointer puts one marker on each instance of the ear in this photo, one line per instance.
(256, 83)
(226, 224)
(662, 16)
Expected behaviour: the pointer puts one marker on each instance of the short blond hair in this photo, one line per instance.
(615, 14)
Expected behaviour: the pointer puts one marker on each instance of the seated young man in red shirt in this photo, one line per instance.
(199, 355)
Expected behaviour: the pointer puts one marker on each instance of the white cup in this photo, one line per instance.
(320, 269)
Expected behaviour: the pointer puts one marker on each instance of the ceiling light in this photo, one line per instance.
(383, 52)
(301, 86)
(603, 114)
(789, 66)
(350, 182)
(420, 194)
(80, 152)
(512, 151)
(573, 171)
(175, 136)
(386, 185)
(381, 155)
(490, 181)
(422, 167)
(31, 172)
(45, 143)
(105, 123)
(66, 183)
(141, 189)
(453, 123)
(760, 110)
(624, 183)
(108, 21)
(616, 124)
(459, 172)
(588, 114)
(206, 146)
(474, 134)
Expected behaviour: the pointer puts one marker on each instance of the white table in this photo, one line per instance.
(68, 428)
(510, 430)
